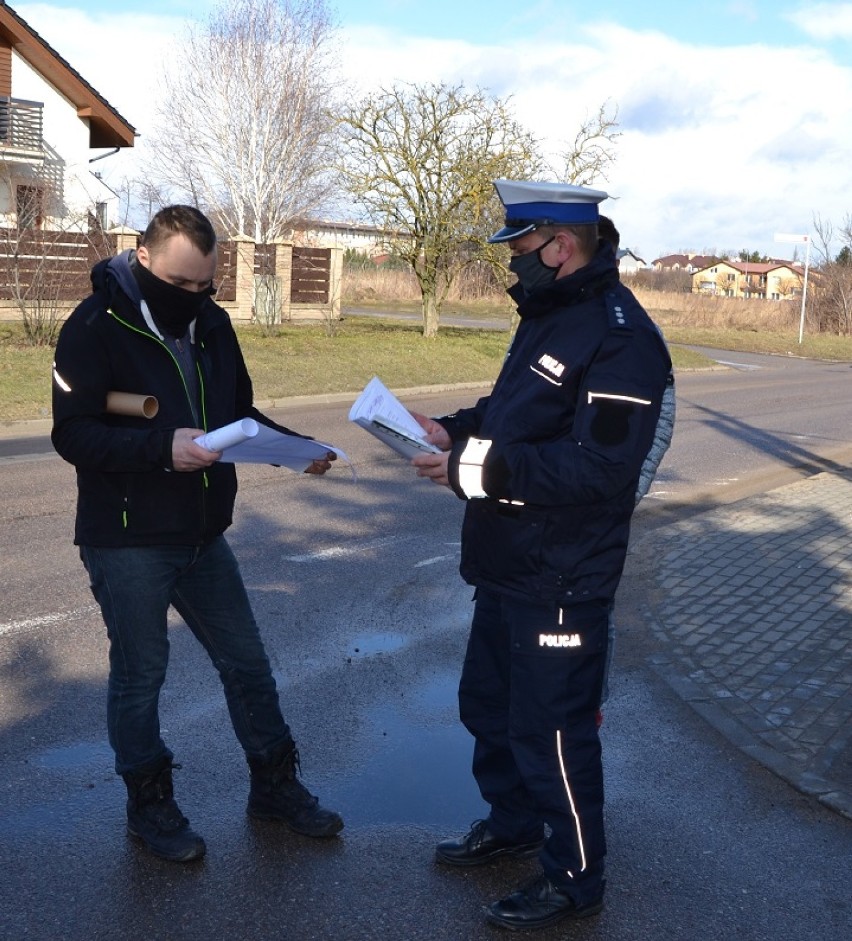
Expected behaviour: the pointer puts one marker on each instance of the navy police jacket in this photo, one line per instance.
(549, 462)
(127, 493)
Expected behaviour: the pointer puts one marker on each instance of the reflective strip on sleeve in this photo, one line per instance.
(60, 381)
(470, 468)
(617, 398)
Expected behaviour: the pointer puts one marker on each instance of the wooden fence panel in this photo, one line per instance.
(264, 260)
(311, 275)
(50, 265)
(226, 272)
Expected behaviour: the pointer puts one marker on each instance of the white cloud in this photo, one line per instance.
(823, 21)
(721, 147)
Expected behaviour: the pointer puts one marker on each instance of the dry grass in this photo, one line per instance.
(719, 313)
(368, 286)
(380, 287)
(385, 289)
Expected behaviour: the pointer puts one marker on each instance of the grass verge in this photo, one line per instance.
(307, 360)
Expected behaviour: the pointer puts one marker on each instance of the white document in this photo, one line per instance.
(248, 442)
(380, 412)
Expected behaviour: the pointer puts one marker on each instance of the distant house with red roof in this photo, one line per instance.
(688, 263)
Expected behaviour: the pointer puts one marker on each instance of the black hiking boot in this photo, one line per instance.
(278, 794)
(155, 819)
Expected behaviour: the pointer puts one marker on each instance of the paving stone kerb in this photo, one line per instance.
(753, 605)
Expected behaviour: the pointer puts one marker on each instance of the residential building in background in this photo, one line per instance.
(359, 237)
(629, 262)
(777, 280)
(688, 263)
(51, 123)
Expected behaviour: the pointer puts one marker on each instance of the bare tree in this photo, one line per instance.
(420, 160)
(140, 198)
(593, 150)
(831, 297)
(244, 129)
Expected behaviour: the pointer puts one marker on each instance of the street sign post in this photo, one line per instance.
(806, 240)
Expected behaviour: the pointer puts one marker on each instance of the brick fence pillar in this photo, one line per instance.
(124, 238)
(244, 278)
(335, 282)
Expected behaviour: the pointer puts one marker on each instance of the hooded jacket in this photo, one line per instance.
(549, 462)
(127, 491)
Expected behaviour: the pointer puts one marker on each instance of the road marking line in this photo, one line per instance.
(724, 362)
(29, 624)
(433, 560)
(337, 552)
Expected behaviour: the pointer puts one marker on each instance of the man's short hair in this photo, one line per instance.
(586, 235)
(179, 220)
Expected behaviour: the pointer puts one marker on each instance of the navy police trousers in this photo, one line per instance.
(529, 694)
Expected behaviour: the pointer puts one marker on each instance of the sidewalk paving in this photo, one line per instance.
(753, 603)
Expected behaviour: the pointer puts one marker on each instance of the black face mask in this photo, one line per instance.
(532, 272)
(174, 308)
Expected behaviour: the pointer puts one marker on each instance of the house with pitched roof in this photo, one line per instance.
(629, 262)
(689, 263)
(776, 280)
(52, 123)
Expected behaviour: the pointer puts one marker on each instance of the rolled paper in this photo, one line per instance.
(128, 403)
(229, 435)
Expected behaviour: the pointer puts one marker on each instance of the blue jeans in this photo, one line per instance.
(135, 587)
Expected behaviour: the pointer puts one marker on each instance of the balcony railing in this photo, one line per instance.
(21, 128)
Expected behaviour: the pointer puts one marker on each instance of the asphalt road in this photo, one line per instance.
(355, 585)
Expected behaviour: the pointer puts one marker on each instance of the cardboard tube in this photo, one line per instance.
(127, 403)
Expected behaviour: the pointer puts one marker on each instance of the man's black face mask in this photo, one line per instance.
(531, 271)
(174, 308)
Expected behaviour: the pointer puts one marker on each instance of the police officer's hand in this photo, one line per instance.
(189, 456)
(321, 465)
(435, 432)
(433, 466)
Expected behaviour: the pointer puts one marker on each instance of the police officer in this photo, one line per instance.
(548, 465)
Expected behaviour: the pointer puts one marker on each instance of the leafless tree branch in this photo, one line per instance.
(245, 128)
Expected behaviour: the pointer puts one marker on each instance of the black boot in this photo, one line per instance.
(154, 818)
(278, 794)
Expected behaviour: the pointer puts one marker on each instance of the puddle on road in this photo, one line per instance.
(418, 772)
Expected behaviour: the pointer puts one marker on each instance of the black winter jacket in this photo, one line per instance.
(127, 493)
(564, 434)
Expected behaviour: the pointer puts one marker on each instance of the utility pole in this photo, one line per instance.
(806, 240)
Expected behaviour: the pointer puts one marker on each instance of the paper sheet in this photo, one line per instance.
(380, 412)
(248, 442)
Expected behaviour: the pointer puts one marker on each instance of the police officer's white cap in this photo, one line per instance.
(530, 205)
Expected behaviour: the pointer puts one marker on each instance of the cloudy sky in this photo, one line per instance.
(736, 123)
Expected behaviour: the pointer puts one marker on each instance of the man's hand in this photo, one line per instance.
(435, 432)
(321, 465)
(189, 456)
(433, 466)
